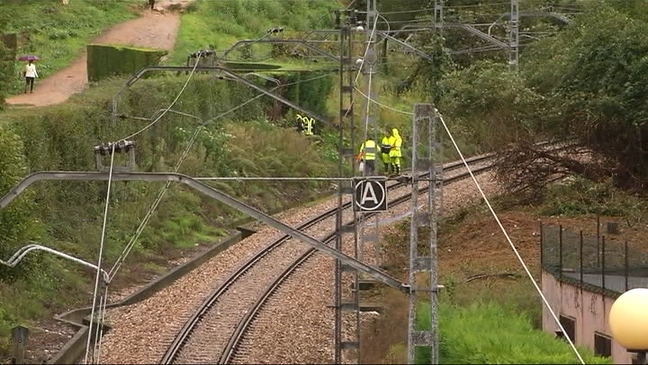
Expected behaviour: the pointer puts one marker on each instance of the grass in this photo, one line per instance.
(71, 211)
(222, 23)
(482, 319)
(488, 333)
(59, 33)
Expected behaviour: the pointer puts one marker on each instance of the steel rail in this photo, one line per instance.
(185, 332)
(244, 325)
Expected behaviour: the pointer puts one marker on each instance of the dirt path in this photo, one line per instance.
(155, 29)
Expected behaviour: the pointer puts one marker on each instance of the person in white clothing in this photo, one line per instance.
(30, 74)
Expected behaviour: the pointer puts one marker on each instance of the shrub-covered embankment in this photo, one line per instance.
(68, 215)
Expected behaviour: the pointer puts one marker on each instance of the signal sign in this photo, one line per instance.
(370, 195)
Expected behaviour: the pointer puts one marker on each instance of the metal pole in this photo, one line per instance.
(424, 138)
(603, 262)
(338, 217)
(560, 251)
(346, 339)
(626, 264)
(598, 240)
(514, 36)
(542, 248)
(438, 14)
(580, 259)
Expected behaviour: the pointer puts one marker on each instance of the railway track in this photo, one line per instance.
(204, 325)
(206, 337)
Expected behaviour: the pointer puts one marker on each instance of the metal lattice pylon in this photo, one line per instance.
(347, 340)
(514, 36)
(423, 279)
(369, 233)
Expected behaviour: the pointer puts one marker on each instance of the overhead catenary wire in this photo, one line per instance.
(184, 87)
(128, 248)
(508, 239)
(355, 80)
(364, 56)
(383, 105)
(99, 260)
(100, 328)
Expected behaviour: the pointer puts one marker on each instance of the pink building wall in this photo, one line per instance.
(590, 310)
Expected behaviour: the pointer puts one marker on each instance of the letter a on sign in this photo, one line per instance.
(370, 195)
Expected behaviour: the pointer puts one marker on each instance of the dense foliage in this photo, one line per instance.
(62, 137)
(580, 76)
(594, 85)
(583, 80)
(487, 333)
(55, 32)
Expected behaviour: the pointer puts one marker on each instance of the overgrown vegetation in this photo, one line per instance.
(580, 196)
(247, 19)
(570, 84)
(488, 333)
(68, 216)
(590, 87)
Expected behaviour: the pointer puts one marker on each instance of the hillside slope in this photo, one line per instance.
(155, 29)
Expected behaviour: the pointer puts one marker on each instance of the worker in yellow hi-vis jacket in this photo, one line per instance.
(305, 125)
(385, 147)
(396, 142)
(367, 155)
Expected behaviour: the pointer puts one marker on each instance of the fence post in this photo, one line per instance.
(19, 338)
(626, 265)
(580, 259)
(598, 240)
(603, 262)
(541, 247)
(560, 251)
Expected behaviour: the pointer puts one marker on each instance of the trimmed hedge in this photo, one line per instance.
(105, 60)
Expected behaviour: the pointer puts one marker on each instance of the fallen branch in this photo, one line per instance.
(507, 275)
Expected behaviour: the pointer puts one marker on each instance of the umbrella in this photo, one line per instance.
(29, 57)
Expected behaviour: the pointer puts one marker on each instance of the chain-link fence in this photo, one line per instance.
(598, 262)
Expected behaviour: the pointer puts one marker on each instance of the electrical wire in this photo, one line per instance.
(368, 108)
(383, 105)
(101, 247)
(128, 248)
(508, 239)
(99, 333)
(364, 56)
(355, 81)
(266, 35)
(193, 71)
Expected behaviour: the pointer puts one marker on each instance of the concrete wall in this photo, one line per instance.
(590, 310)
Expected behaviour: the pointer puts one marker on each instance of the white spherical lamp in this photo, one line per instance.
(359, 61)
(359, 28)
(629, 320)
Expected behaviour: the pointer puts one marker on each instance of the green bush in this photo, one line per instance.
(105, 61)
(15, 220)
(578, 196)
(221, 23)
(309, 95)
(62, 137)
(486, 333)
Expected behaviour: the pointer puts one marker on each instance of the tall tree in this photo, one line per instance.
(593, 79)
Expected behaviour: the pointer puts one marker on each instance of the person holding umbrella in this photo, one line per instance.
(30, 72)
